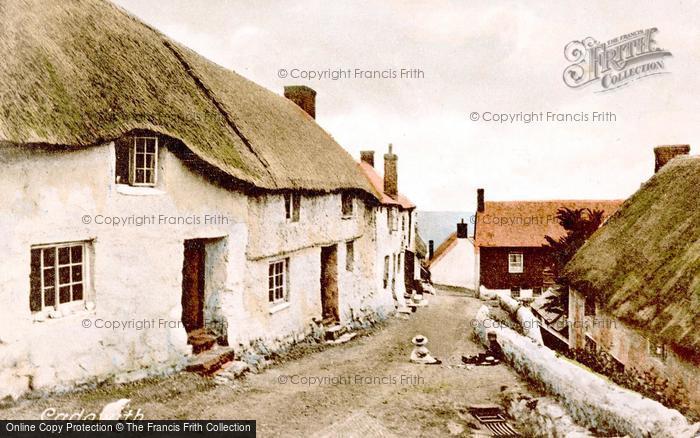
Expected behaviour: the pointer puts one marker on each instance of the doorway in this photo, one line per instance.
(193, 269)
(329, 284)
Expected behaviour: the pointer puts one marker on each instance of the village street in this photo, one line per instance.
(375, 388)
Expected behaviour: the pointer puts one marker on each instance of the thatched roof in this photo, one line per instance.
(81, 72)
(526, 223)
(644, 264)
(421, 249)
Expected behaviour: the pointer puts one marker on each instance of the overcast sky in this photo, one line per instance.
(496, 56)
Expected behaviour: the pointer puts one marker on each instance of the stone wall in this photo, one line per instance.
(590, 399)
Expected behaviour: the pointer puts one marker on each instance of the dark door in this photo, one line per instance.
(329, 284)
(193, 285)
(409, 267)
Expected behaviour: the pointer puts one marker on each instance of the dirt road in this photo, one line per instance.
(366, 387)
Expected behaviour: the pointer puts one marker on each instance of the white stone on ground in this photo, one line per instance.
(113, 411)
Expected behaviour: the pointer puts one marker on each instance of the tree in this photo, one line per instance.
(580, 224)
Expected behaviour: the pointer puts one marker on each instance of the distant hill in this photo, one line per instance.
(438, 225)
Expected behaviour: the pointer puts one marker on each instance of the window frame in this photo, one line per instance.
(292, 206)
(347, 205)
(132, 161)
(590, 344)
(589, 307)
(350, 255)
(514, 267)
(71, 305)
(273, 287)
(657, 349)
(386, 272)
(392, 219)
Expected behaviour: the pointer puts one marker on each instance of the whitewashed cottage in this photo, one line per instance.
(156, 203)
(396, 265)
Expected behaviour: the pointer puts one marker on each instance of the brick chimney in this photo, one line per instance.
(664, 154)
(391, 183)
(303, 96)
(367, 157)
(462, 230)
(480, 200)
(431, 249)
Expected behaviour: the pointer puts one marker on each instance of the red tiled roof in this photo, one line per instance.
(377, 183)
(526, 223)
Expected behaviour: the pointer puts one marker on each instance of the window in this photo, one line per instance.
(350, 255)
(515, 291)
(347, 205)
(391, 219)
(590, 345)
(277, 281)
(386, 271)
(292, 205)
(589, 306)
(137, 161)
(57, 276)
(657, 349)
(515, 263)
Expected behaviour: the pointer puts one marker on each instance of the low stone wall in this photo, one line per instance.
(590, 399)
(259, 352)
(542, 417)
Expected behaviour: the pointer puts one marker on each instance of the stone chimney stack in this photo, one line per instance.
(367, 157)
(431, 249)
(462, 230)
(664, 154)
(303, 96)
(480, 200)
(391, 183)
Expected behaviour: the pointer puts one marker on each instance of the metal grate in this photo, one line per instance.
(494, 420)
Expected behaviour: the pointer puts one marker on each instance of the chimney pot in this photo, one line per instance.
(480, 200)
(462, 230)
(391, 183)
(303, 96)
(431, 249)
(367, 157)
(664, 154)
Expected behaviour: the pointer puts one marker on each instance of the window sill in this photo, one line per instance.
(278, 307)
(126, 189)
(348, 217)
(65, 313)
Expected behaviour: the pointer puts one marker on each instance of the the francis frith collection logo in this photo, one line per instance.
(616, 62)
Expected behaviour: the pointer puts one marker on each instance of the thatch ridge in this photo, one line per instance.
(83, 72)
(644, 264)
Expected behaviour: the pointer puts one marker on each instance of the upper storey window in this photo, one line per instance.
(137, 161)
(292, 206)
(347, 205)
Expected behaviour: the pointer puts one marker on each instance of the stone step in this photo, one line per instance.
(210, 361)
(343, 338)
(200, 341)
(334, 332)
